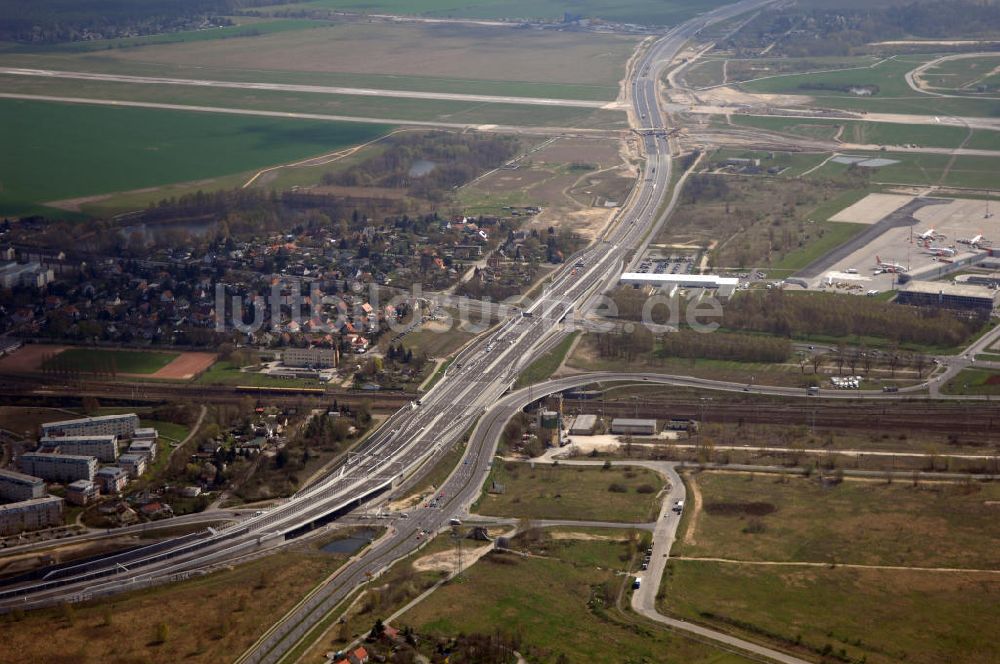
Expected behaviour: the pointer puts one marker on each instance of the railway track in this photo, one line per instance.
(971, 421)
(37, 389)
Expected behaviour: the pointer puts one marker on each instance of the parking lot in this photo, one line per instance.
(673, 264)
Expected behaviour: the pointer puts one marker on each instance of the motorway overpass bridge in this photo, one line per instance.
(472, 386)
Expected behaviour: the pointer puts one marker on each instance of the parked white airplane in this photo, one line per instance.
(888, 266)
(930, 234)
(940, 251)
(974, 241)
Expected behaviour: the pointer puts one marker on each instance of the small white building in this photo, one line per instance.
(628, 425)
(583, 425)
(81, 492)
(112, 479)
(134, 464)
(146, 447)
(145, 433)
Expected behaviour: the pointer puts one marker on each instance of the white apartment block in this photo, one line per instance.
(317, 358)
(145, 433)
(16, 486)
(104, 448)
(33, 275)
(134, 464)
(145, 447)
(112, 479)
(58, 467)
(81, 492)
(123, 426)
(31, 515)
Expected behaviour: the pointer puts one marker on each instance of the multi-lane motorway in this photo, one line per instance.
(414, 436)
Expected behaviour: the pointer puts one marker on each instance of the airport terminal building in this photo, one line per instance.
(947, 296)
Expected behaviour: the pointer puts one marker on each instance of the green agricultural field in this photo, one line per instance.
(871, 133)
(841, 614)
(118, 149)
(649, 12)
(252, 28)
(921, 169)
(888, 75)
(581, 493)
(964, 75)
(749, 69)
(893, 96)
(974, 381)
(762, 518)
(561, 604)
(92, 360)
(984, 140)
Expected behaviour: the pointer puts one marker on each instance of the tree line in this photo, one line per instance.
(456, 159)
(800, 314)
(846, 31)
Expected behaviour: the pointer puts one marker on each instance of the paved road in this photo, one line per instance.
(912, 76)
(313, 89)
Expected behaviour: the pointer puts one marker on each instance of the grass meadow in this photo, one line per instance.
(59, 151)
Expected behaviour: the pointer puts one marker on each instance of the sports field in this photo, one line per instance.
(115, 149)
(93, 360)
(159, 365)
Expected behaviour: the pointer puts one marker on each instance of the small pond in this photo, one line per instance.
(421, 167)
(350, 543)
